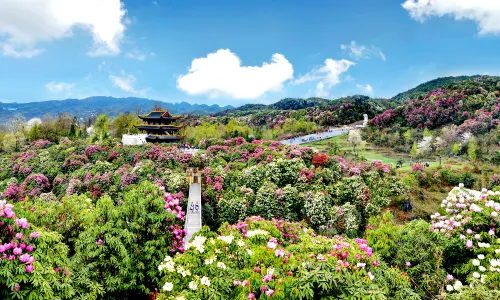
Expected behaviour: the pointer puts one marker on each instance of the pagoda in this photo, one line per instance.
(160, 127)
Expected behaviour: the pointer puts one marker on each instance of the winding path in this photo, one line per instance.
(332, 131)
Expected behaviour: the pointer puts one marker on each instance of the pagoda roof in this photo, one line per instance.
(159, 114)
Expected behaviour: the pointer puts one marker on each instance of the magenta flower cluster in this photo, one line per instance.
(16, 243)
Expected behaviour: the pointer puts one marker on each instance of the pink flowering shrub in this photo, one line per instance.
(25, 262)
(417, 167)
(34, 185)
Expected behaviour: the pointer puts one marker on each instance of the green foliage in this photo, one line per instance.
(134, 236)
(397, 244)
(472, 149)
(414, 150)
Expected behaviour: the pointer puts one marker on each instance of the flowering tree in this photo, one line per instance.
(354, 138)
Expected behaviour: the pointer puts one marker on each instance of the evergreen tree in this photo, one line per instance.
(472, 148)
(456, 149)
(414, 150)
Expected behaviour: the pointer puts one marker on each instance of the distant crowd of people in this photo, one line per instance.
(187, 146)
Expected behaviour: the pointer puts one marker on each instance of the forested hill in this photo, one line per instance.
(84, 108)
(426, 87)
(309, 103)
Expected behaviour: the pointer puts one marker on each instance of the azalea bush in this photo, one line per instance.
(29, 258)
(471, 221)
(256, 258)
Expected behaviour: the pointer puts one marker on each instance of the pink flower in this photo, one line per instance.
(469, 231)
(29, 268)
(17, 251)
(270, 293)
(56, 270)
(245, 282)
(491, 232)
(23, 223)
(408, 264)
(263, 288)
(34, 235)
(251, 296)
(449, 277)
(19, 235)
(280, 252)
(29, 248)
(468, 244)
(267, 278)
(236, 282)
(375, 263)
(99, 242)
(256, 269)
(477, 236)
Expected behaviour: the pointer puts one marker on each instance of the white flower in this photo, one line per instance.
(482, 269)
(180, 298)
(210, 260)
(271, 245)
(480, 256)
(240, 243)
(252, 233)
(250, 252)
(168, 286)
(361, 265)
(370, 275)
(228, 239)
(449, 288)
(270, 271)
(458, 285)
(476, 262)
(476, 275)
(497, 251)
(221, 265)
(461, 185)
(193, 286)
(205, 281)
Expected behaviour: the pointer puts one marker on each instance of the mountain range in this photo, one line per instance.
(91, 106)
(84, 108)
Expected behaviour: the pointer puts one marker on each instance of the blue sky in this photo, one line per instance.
(52, 50)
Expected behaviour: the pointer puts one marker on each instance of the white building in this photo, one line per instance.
(133, 139)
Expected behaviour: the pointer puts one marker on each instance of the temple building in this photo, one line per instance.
(160, 127)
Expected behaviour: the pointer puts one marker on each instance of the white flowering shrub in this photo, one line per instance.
(266, 202)
(259, 259)
(318, 208)
(232, 208)
(284, 171)
(470, 219)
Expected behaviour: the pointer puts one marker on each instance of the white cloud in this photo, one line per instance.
(320, 90)
(366, 88)
(59, 87)
(26, 24)
(136, 54)
(221, 73)
(124, 82)
(486, 13)
(329, 74)
(360, 51)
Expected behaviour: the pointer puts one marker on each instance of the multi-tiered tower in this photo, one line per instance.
(160, 127)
